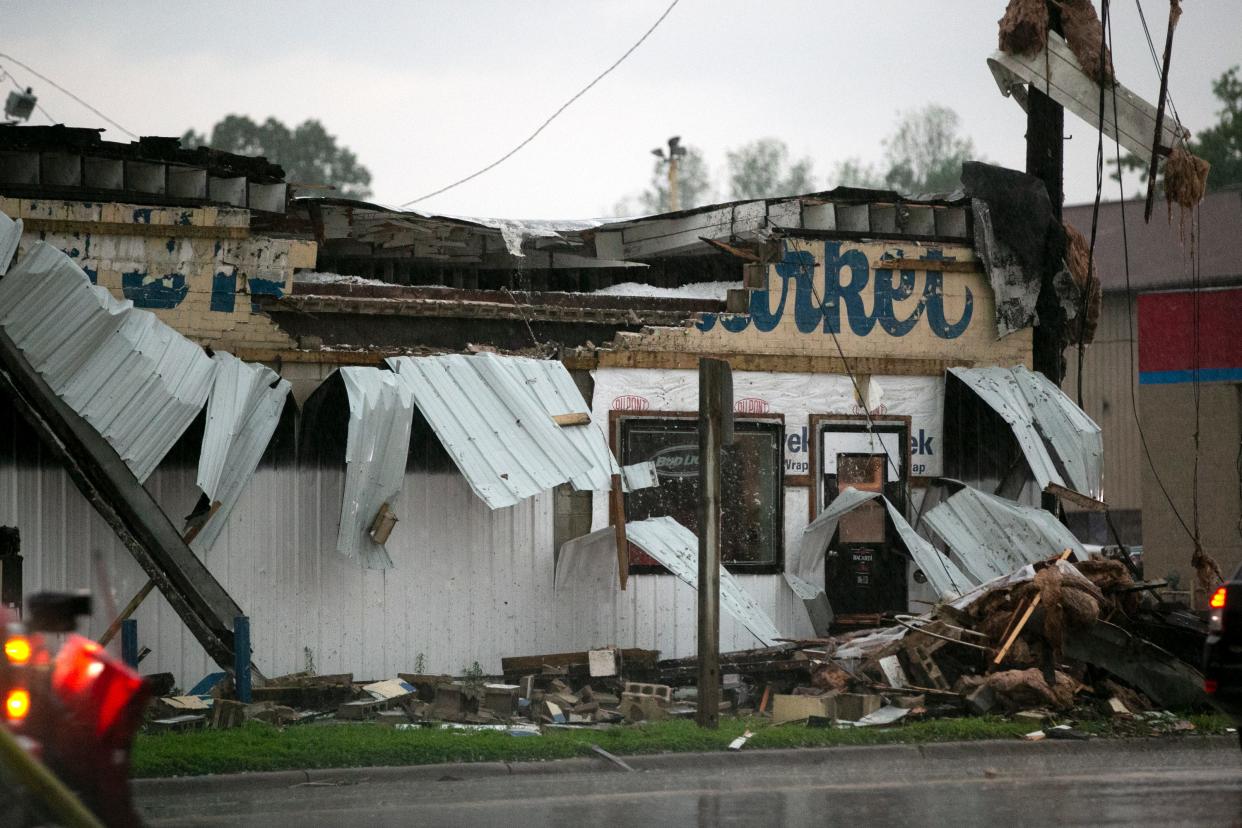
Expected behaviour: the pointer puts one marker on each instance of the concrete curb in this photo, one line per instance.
(908, 754)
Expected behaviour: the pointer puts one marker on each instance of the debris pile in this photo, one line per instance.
(1047, 639)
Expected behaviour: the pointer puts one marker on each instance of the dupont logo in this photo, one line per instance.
(750, 405)
(630, 402)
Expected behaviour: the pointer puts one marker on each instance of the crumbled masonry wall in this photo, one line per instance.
(201, 276)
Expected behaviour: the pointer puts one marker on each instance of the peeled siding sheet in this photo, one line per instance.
(381, 413)
(677, 549)
(553, 387)
(1055, 435)
(992, 536)
(497, 431)
(242, 414)
(138, 382)
(10, 235)
(808, 565)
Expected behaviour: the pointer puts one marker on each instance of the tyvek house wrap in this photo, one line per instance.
(242, 414)
(593, 558)
(138, 382)
(381, 413)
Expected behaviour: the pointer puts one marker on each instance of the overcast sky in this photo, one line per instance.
(427, 92)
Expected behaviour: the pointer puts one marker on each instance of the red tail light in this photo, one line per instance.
(1209, 686)
(17, 705)
(17, 649)
(1218, 599)
(95, 687)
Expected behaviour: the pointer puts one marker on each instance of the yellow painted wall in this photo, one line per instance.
(826, 288)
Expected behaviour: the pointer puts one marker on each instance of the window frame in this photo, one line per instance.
(818, 423)
(774, 567)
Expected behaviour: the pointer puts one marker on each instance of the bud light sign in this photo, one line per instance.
(677, 461)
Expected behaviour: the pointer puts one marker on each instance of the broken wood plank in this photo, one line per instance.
(1026, 616)
(632, 659)
(577, 418)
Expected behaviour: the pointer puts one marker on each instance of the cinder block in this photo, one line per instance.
(786, 708)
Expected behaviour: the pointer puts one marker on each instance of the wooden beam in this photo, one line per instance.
(576, 418)
(616, 515)
(114, 228)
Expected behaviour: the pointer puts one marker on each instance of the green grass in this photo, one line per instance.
(261, 747)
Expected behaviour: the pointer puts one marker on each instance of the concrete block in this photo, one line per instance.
(853, 706)
(786, 708)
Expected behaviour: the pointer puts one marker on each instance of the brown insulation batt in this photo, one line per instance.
(1078, 256)
(1024, 27)
(1083, 33)
(1018, 689)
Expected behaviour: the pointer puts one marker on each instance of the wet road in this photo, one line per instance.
(1137, 783)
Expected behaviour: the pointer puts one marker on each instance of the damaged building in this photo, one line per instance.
(392, 438)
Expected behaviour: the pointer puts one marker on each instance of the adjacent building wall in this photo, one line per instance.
(1110, 377)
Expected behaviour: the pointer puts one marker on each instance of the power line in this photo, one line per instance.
(1125, 248)
(1155, 57)
(551, 117)
(56, 85)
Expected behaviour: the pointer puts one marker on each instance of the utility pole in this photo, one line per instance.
(715, 432)
(1045, 159)
(673, 159)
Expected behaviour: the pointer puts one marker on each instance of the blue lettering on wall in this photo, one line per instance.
(844, 292)
(263, 287)
(164, 293)
(921, 443)
(223, 291)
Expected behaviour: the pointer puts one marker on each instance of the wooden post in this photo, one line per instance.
(616, 515)
(241, 658)
(129, 642)
(715, 425)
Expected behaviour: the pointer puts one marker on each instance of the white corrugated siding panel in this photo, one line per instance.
(551, 385)
(10, 236)
(1045, 422)
(381, 413)
(497, 433)
(991, 536)
(242, 414)
(138, 382)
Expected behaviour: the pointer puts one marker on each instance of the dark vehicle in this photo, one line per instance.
(1222, 658)
(73, 711)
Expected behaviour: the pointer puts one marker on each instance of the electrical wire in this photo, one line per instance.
(1155, 57)
(56, 85)
(551, 117)
(1125, 248)
(1085, 288)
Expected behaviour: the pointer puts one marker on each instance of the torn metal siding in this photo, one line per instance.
(138, 382)
(677, 550)
(10, 236)
(591, 561)
(242, 414)
(550, 384)
(991, 537)
(491, 423)
(1062, 445)
(807, 579)
(381, 413)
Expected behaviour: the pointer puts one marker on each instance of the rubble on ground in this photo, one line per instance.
(1038, 644)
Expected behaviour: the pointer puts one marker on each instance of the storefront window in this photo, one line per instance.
(751, 485)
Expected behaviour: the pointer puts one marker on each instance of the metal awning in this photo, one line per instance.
(1063, 446)
(137, 381)
(991, 537)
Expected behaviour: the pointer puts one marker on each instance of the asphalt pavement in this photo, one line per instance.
(1185, 782)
